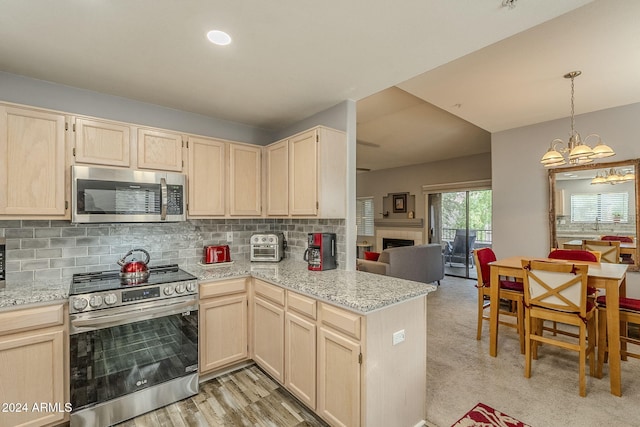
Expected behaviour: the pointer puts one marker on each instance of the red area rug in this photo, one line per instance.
(485, 416)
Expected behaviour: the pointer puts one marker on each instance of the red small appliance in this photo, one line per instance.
(217, 254)
(321, 251)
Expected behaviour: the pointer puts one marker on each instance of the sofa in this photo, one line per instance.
(421, 263)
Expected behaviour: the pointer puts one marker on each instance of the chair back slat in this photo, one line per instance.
(555, 286)
(609, 249)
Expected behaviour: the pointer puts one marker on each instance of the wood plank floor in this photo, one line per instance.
(247, 397)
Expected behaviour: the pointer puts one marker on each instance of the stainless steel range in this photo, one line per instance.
(133, 347)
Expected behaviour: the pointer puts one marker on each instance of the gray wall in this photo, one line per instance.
(411, 179)
(520, 186)
(44, 94)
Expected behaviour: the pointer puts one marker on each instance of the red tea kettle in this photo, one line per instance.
(134, 271)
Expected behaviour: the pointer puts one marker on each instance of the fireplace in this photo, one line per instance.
(394, 243)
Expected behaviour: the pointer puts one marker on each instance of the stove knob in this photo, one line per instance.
(191, 287)
(168, 290)
(180, 288)
(95, 301)
(80, 304)
(110, 299)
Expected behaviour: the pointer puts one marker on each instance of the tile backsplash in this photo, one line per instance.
(43, 250)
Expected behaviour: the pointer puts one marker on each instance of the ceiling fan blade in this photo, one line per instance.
(367, 144)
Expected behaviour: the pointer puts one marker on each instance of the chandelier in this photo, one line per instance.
(577, 152)
(613, 177)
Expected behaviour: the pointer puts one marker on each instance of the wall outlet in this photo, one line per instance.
(229, 236)
(398, 337)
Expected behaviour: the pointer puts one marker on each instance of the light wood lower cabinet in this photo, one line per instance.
(33, 367)
(268, 337)
(300, 358)
(223, 324)
(338, 378)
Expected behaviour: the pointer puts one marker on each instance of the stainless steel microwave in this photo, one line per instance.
(126, 195)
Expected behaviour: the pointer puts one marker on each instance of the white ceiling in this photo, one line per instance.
(293, 58)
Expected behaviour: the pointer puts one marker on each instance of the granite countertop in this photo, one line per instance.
(354, 290)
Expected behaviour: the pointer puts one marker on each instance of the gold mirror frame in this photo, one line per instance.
(595, 167)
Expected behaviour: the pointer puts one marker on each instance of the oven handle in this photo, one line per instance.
(130, 316)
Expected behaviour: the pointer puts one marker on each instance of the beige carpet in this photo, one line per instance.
(460, 373)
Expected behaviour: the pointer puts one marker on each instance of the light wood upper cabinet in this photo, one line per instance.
(313, 182)
(223, 319)
(102, 143)
(32, 162)
(303, 172)
(277, 178)
(245, 180)
(206, 174)
(159, 150)
(34, 364)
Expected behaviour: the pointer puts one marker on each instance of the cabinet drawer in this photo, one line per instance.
(31, 318)
(270, 292)
(341, 320)
(301, 304)
(226, 287)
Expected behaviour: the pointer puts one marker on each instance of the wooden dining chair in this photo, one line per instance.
(629, 313)
(609, 249)
(510, 290)
(574, 255)
(558, 292)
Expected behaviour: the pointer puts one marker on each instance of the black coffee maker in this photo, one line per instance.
(321, 251)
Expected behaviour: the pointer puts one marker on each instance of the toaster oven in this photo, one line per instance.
(267, 247)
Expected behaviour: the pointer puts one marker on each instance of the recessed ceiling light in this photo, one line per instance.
(219, 37)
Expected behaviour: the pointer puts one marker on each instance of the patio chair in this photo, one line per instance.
(456, 251)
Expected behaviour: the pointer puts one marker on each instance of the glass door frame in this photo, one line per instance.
(463, 186)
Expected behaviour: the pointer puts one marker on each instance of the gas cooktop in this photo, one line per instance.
(86, 283)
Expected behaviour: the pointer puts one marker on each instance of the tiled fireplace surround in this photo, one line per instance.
(49, 250)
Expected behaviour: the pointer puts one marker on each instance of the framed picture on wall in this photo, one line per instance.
(399, 203)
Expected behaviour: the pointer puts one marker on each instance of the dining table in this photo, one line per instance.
(628, 248)
(607, 276)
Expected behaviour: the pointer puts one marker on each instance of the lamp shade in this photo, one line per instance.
(552, 158)
(602, 150)
(580, 153)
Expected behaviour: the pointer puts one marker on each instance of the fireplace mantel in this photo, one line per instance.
(399, 222)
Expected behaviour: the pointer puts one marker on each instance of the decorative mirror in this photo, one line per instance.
(593, 201)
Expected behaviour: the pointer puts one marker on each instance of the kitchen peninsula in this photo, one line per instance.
(366, 334)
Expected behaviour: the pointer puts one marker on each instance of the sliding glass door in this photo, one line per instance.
(461, 222)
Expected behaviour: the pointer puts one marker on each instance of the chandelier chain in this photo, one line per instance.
(572, 108)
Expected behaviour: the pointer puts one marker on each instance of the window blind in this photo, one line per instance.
(364, 216)
(605, 207)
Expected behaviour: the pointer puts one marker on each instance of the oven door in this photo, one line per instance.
(119, 351)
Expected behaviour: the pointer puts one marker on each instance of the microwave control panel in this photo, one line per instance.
(175, 200)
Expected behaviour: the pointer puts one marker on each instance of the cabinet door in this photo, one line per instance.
(33, 370)
(338, 379)
(206, 176)
(303, 174)
(102, 143)
(32, 162)
(277, 178)
(245, 180)
(300, 358)
(223, 331)
(268, 337)
(159, 150)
